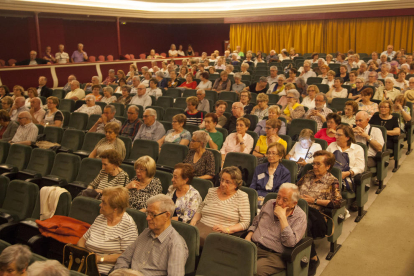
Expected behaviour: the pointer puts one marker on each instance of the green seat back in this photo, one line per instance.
(20, 199)
(338, 103)
(89, 170)
(91, 139)
(255, 138)
(301, 203)
(313, 80)
(186, 93)
(165, 179)
(40, 129)
(202, 186)
(165, 102)
(66, 166)
(252, 194)
(322, 142)
(19, 156)
(41, 161)
(66, 118)
(102, 105)
(92, 120)
(139, 217)
(176, 93)
(324, 88)
(78, 121)
(172, 154)
(53, 134)
(85, 209)
(128, 145)
(227, 255)
(253, 121)
(129, 169)
(170, 112)
(289, 142)
(4, 182)
(191, 128)
(67, 105)
(212, 95)
(4, 151)
(228, 96)
(72, 139)
(298, 124)
(293, 169)
(243, 160)
(192, 238)
(119, 109)
(144, 147)
(223, 131)
(64, 203)
(217, 160)
(58, 93)
(180, 103)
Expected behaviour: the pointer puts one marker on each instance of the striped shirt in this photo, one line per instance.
(102, 180)
(104, 239)
(162, 255)
(194, 119)
(27, 132)
(225, 212)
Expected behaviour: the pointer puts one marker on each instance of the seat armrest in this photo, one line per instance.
(74, 189)
(359, 178)
(39, 244)
(129, 161)
(4, 168)
(66, 150)
(165, 168)
(382, 154)
(290, 253)
(82, 153)
(10, 175)
(52, 180)
(6, 218)
(8, 231)
(331, 212)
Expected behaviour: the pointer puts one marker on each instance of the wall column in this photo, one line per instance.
(39, 47)
(118, 31)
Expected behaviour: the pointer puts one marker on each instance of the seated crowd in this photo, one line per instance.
(255, 127)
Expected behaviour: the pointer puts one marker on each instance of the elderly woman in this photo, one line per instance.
(352, 79)
(272, 129)
(186, 198)
(261, 110)
(152, 54)
(147, 78)
(278, 87)
(385, 119)
(4, 91)
(8, 128)
(274, 113)
(210, 123)
(248, 59)
(18, 91)
(365, 103)
(32, 93)
(194, 117)
(153, 89)
(120, 76)
(15, 259)
(324, 71)
(303, 150)
(126, 97)
(401, 108)
(238, 141)
(220, 65)
(204, 83)
(177, 135)
(201, 159)
(183, 72)
(337, 91)
(229, 69)
(173, 51)
(111, 141)
(144, 185)
(319, 188)
(223, 83)
(401, 82)
(238, 85)
(90, 107)
(121, 82)
(292, 75)
(268, 177)
(333, 120)
(385, 71)
(309, 100)
(173, 82)
(258, 87)
(387, 92)
(330, 80)
(293, 110)
(351, 109)
(226, 209)
(7, 103)
(259, 59)
(112, 231)
(108, 98)
(190, 83)
(95, 92)
(220, 108)
(111, 174)
(244, 67)
(355, 93)
(245, 97)
(53, 116)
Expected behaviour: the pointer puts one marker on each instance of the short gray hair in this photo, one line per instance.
(126, 272)
(387, 65)
(113, 109)
(75, 82)
(202, 91)
(94, 77)
(166, 203)
(111, 71)
(136, 78)
(281, 76)
(159, 74)
(20, 254)
(263, 79)
(92, 97)
(322, 95)
(144, 68)
(238, 75)
(135, 108)
(152, 112)
(360, 78)
(27, 113)
(202, 136)
(389, 79)
(108, 89)
(295, 93)
(273, 68)
(294, 188)
(47, 268)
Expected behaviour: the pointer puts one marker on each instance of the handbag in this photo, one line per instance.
(80, 259)
(92, 193)
(342, 163)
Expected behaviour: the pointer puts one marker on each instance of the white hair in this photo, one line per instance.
(159, 74)
(126, 272)
(111, 71)
(202, 136)
(20, 254)
(202, 91)
(135, 108)
(294, 188)
(152, 112)
(108, 89)
(92, 97)
(166, 203)
(94, 77)
(47, 268)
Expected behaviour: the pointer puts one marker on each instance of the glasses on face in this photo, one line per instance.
(140, 169)
(386, 107)
(272, 153)
(338, 134)
(152, 215)
(321, 101)
(316, 164)
(268, 128)
(194, 141)
(145, 116)
(289, 97)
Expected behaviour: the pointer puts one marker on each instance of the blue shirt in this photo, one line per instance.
(261, 177)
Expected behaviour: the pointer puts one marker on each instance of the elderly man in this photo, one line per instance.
(238, 112)
(363, 71)
(151, 129)
(273, 75)
(340, 59)
(272, 56)
(110, 78)
(307, 71)
(366, 134)
(203, 103)
(42, 89)
(14, 260)
(67, 88)
(17, 108)
(389, 52)
(36, 110)
(142, 98)
(76, 93)
(159, 249)
(62, 57)
(79, 55)
(162, 82)
(373, 80)
(320, 111)
(94, 81)
(27, 132)
(108, 116)
(410, 86)
(383, 60)
(135, 83)
(280, 224)
(131, 126)
(47, 268)
(374, 58)
(32, 60)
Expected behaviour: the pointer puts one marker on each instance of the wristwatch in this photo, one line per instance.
(102, 259)
(369, 140)
(315, 201)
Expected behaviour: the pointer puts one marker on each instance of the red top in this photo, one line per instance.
(191, 85)
(321, 134)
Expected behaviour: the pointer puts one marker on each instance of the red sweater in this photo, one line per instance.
(192, 85)
(321, 134)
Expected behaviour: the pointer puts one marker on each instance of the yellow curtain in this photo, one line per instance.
(363, 35)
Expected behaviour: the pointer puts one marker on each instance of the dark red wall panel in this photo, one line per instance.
(51, 34)
(25, 77)
(83, 73)
(15, 40)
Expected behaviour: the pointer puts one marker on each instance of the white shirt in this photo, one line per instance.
(173, 52)
(308, 102)
(95, 109)
(330, 83)
(401, 84)
(206, 86)
(375, 134)
(341, 94)
(154, 92)
(355, 154)
(62, 57)
(39, 115)
(144, 100)
(231, 146)
(79, 93)
(27, 132)
(308, 74)
(297, 152)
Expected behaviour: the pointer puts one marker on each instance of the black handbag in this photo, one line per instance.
(342, 163)
(80, 259)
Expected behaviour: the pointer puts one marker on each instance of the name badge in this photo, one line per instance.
(260, 176)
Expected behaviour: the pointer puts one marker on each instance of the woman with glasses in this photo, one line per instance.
(384, 118)
(350, 110)
(269, 176)
(355, 93)
(177, 135)
(201, 159)
(261, 110)
(293, 109)
(144, 185)
(303, 150)
(225, 209)
(53, 116)
(90, 107)
(272, 129)
(309, 100)
(111, 141)
(274, 113)
(328, 134)
(365, 103)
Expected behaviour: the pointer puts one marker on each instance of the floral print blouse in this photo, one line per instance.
(138, 198)
(370, 109)
(187, 205)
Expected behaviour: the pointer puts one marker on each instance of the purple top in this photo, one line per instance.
(78, 56)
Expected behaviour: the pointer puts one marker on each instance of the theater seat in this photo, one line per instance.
(164, 102)
(338, 103)
(120, 109)
(170, 155)
(4, 182)
(170, 112)
(202, 186)
(101, 58)
(78, 121)
(17, 159)
(245, 161)
(142, 148)
(160, 111)
(252, 194)
(67, 105)
(228, 96)
(89, 143)
(53, 134)
(65, 169)
(180, 103)
(139, 217)
(217, 160)
(128, 145)
(165, 178)
(72, 140)
(92, 120)
(314, 80)
(4, 151)
(110, 58)
(92, 59)
(298, 124)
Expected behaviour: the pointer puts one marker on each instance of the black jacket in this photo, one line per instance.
(27, 61)
(45, 92)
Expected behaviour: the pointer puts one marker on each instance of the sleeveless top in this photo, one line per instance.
(50, 119)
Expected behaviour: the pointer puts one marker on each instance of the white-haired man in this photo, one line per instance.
(110, 79)
(17, 108)
(108, 116)
(27, 132)
(62, 57)
(76, 92)
(273, 56)
(159, 249)
(281, 223)
(141, 98)
(307, 71)
(151, 129)
(389, 52)
(79, 55)
(67, 88)
(47, 268)
(94, 81)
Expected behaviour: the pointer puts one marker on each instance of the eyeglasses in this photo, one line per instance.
(141, 169)
(152, 215)
(21, 118)
(268, 128)
(289, 97)
(271, 153)
(338, 135)
(194, 141)
(316, 164)
(145, 116)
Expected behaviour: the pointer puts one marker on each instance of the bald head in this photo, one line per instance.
(19, 101)
(35, 103)
(362, 119)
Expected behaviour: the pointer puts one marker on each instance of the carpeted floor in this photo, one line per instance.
(382, 244)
